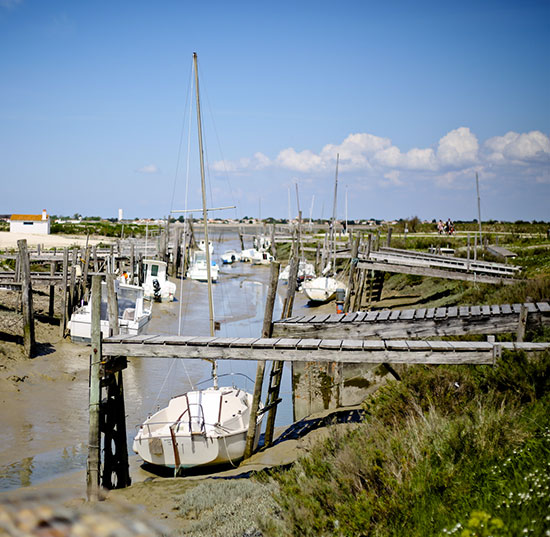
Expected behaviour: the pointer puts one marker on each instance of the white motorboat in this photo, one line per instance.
(155, 282)
(256, 257)
(230, 257)
(202, 246)
(198, 268)
(306, 271)
(321, 289)
(199, 428)
(132, 314)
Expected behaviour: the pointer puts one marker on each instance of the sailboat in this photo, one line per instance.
(323, 288)
(201, 427)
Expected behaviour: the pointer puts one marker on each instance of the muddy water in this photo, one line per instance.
(45, 423)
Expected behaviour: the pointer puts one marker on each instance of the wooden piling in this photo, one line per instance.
(520, 334)
(352, 275)
(26, 299)
(112, 305)
(51, 305)
(260, 369)
(93, 465)
(64, 307)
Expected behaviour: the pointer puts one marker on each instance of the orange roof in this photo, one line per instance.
(33, 217)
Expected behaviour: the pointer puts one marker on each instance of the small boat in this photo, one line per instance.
(306, 271)
(132, 315)
(200, 428)
(155, 282)
(202, 246)
(321, 289)
(198, 268)
(230, 257)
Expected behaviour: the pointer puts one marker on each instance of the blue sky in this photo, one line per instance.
(415, 97)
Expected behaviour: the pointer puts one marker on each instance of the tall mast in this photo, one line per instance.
(205, 216)
(333, 221)
(478, 209)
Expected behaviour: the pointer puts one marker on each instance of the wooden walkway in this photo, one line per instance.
(309, 350)
(413, 323)
(438, 266)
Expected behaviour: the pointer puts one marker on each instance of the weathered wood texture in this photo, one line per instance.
(311, 350)
(414, 323)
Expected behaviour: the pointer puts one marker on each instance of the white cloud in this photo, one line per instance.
(518, 148)
(150, 168)
(450, 162)
(457, 148)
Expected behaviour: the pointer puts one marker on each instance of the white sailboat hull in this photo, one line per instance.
(200, 428)
(321, 289)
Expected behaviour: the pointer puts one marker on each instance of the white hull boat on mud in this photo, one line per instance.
(200, 428)
(322, 289)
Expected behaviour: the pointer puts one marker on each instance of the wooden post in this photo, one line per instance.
(93, 465)
(132, 263)
(84, 283)
(273, 247)
(26, 299)
(352, 270)
(72, 290)
(64, 308)
(520, 334)
(241, 238)
(94, 255)
(51, 306)
(388, 239)
(112, 305)
(291, 288)
(260, 368)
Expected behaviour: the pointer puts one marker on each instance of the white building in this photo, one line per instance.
(30, 223)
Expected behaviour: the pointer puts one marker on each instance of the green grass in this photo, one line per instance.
(448, 451)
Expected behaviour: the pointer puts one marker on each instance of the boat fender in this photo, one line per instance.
(156, 289)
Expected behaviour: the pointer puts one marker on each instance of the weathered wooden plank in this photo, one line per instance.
(296, 319)
(372, 316)
(495, 309)
(418, 345)
(430, 312)
(361, 315)
(475, 311)
(383, 315)
(201, 341)
(485, 310)
(350, 317)
(308, 344)
(372, 345)
(245, 341)
(531, 308)
(173, 340)
(395, 315)
(286, 343)
(440, 345)
(223, 341)
(440, 313)
(452, 312)
(335, 318)
(420, 313)
(332, 344)
(516, 308)
(352, 344)
(464, 311)
(407, 315)
(397, 345)
(321, 318)
(265, 342)
(505, 309)
(543, 307)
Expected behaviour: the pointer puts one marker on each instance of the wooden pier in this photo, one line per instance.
(415, 323)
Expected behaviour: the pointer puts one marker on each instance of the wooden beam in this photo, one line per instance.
(94, 459)
(26, 299)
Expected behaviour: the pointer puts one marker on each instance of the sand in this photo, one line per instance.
(9, 240)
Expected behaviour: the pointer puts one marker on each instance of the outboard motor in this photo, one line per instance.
(156, 289)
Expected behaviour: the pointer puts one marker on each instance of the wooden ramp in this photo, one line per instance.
(313, 350)
(414, 323)
(438, 266)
